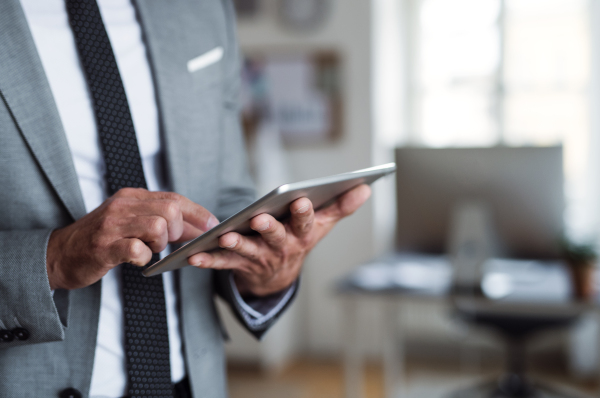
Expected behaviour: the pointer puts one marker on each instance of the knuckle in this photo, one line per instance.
(306, 226)
(279, 237)
(127, 191)
(304, 240)
(257, 256)
(172, 196)
(107, 223)
(98, 242)
(171, 210)
(307, 241)
(116, 204)
(136, 249)
(123, 192)
(158, 226)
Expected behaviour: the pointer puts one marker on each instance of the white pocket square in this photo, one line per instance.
(202, 61)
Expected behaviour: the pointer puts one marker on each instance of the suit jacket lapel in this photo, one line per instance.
(26, 92)
(188, 112)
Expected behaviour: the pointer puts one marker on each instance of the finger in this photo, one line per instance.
(242, 245)
(132, 251)
(173, 211)
(302, 218)
(169, 210)
(152, 230)
(346, 204)
(137, 193)
(197, 216)
(189, 232)
(201, 260)
(223, 260)
(272, 231)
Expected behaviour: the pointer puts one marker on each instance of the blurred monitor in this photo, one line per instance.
(522, 188)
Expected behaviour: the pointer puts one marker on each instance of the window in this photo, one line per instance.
(458, 59)
(514, 72)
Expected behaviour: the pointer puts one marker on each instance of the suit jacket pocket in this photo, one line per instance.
(206, 69)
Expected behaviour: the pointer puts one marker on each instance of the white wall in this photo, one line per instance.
(585, 341)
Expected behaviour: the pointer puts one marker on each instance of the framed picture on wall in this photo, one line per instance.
(298, 92)
(304, 14)
(247, 8)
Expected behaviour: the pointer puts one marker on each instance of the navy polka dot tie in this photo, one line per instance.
(146, 332)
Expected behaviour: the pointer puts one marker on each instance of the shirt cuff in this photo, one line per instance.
(261, 309)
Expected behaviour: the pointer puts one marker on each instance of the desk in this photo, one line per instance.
(509, 286)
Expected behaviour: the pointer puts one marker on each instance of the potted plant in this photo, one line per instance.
(581, 259)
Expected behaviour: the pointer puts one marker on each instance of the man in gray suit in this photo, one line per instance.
(63, 235)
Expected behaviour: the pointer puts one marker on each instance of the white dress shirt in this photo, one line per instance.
(55, 43)
(49, 25)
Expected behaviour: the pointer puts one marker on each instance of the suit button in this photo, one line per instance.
(21, 333)
(6, 336)
(70, 393)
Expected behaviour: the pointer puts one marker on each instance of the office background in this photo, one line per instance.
(432, 73)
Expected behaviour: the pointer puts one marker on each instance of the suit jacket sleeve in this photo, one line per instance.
(236, 188)
(26, 302)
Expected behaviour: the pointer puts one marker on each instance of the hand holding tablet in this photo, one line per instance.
(321, 192)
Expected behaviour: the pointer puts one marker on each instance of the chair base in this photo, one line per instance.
(514, 386)
(508, 386)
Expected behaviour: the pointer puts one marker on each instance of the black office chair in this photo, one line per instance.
(516, 324)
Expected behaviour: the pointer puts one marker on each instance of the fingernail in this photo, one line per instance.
(198, 264)
(263, 227)
(231, 246)
(212, 222)
(303, 209)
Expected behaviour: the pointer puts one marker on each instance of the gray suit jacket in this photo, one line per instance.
(39, 192)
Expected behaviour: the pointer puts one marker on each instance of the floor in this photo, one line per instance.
(323, 379)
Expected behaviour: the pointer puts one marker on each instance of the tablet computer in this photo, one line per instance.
(321, 191)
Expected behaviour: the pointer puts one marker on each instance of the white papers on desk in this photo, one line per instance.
(503, 279)
(523, 280)
(422, 273)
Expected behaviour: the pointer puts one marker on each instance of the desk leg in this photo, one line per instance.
(353, 369)
(393, 351)
(470, 361)
(598, 350)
